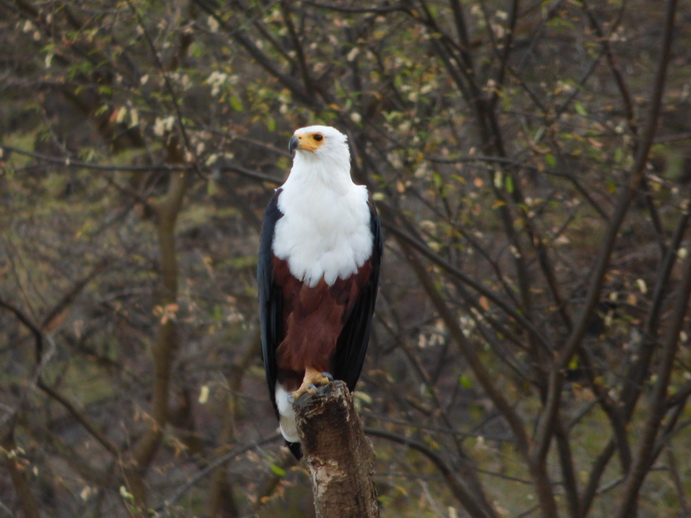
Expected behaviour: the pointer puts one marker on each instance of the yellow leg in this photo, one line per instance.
(312, 377)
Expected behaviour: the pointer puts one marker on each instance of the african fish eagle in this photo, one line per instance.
(318, 273)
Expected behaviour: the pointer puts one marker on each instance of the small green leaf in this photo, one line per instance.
(204, 394)
(102, 109)
(438, 181)
(278, 471)
(498, 179)
(508, 182)
(236, 103)
(580, 109)
(363, 396)
(271, 124)
(125, 493)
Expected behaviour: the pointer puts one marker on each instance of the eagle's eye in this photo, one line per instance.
(318, 137)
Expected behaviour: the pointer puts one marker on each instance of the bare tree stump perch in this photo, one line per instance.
(338, 455)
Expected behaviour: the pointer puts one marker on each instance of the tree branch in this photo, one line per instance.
(450, 474)
(597, 278)
(338, 456)
(656, 409)
(220, 461)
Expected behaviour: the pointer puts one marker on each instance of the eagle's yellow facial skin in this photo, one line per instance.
(310, 141)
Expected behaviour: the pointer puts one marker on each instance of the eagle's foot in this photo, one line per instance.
(312, 381)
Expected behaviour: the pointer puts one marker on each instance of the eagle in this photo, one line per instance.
(318, 272)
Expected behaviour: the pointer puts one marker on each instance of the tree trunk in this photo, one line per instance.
(339, 457)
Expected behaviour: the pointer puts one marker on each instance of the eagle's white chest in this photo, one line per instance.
(323, 232)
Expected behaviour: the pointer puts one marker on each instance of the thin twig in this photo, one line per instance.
(167, 168)
(235, 452)
(169, 88)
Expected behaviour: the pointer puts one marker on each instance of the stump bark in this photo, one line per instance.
(338, 455)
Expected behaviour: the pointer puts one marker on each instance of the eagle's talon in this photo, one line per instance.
(328, 375)
(311, 382)
(310, 389)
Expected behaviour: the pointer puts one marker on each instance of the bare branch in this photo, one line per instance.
(597, 275)
(450, 473)
(166, 168)
(217, 463)
(656, 409)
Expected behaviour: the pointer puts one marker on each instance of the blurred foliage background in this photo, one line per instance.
(531, 161)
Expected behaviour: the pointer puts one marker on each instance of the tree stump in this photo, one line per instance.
(338, 455)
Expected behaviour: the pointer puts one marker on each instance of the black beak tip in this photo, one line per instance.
(293, 144)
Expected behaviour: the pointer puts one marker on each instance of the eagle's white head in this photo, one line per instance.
(320, 143)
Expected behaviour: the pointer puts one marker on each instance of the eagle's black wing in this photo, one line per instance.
(270, 297)
(352, 343)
